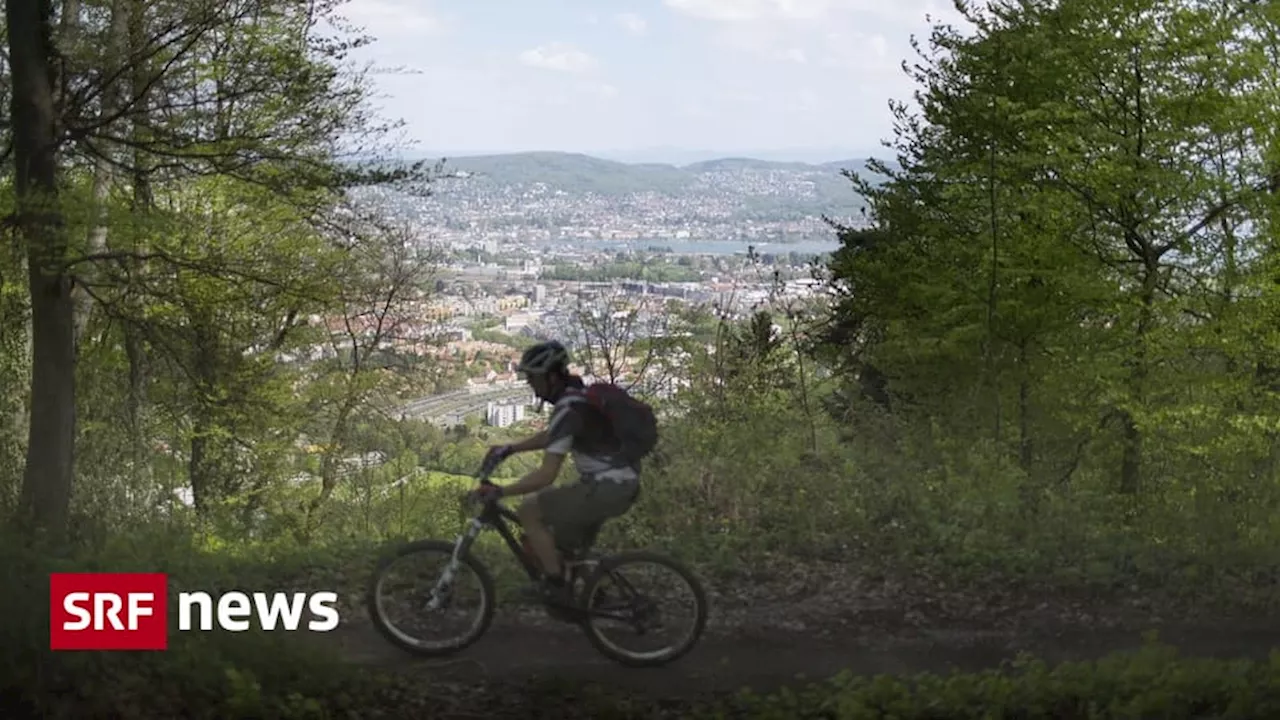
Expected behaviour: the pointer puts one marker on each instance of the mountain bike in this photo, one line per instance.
(600, 591)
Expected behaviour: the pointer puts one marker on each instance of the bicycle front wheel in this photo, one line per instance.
(443, 609)
(625, 613)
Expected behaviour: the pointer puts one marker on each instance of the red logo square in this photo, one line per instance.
(108, 611)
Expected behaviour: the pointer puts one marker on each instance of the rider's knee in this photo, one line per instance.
(528, 510)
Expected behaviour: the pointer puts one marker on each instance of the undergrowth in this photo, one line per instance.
(291, 677)
(726, 498)
(1151, 683)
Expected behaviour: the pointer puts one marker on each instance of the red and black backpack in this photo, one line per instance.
(632, 421)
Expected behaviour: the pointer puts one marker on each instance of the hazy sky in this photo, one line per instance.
(627, 75)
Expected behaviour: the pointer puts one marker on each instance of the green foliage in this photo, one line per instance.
(202, 674)
(498, 336)
(1151, 683)
(1072, 269)
(214, 674)
(15, 366)
(1050, 362)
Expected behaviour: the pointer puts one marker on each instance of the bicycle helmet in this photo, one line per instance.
(544, 358)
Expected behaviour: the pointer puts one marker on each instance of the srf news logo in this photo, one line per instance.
(130, 611)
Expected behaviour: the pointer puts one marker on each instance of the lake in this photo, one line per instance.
(707, 247)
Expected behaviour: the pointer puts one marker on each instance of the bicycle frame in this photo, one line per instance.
(500, 519)
(491, 515)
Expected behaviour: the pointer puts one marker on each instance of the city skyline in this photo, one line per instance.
(644, 80)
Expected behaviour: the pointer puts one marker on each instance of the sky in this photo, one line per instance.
(645, 80)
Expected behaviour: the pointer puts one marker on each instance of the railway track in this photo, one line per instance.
(460, 403)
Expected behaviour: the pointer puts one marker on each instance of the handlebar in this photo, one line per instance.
(482, 477)
(486, 470)
(487, 466)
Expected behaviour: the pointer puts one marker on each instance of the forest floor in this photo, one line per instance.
(807, 624)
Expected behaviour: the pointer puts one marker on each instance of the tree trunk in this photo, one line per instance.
(1131, 461)
(874, 385)
(47, 480)
(205, 464)
(143, 201)
(197, 467)
(1026, 450)
(211, 464)
(102, 171)
(329, 464)
(97, 243)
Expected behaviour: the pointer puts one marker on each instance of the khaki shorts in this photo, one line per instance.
(573, 512)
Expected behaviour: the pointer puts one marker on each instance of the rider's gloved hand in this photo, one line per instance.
(486, 493)
(495, 456)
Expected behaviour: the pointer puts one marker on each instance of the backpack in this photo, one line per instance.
(632, 421)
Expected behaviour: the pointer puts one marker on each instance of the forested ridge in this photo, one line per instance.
(1044, 394)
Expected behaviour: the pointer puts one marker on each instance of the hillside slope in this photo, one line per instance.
(576, 173)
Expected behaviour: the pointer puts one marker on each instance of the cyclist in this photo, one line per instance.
(608, 485)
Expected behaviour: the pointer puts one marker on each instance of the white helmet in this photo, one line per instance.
(543, 358)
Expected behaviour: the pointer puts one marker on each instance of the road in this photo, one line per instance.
(451, 406)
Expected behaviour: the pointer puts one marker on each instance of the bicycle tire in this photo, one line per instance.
(401, 641)
(614, 562)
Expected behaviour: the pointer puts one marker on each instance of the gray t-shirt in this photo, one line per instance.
(580, 430)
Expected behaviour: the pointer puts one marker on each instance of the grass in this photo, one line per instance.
(735, 508)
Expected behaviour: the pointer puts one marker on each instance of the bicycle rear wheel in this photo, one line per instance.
(612, 589)
(434, 598)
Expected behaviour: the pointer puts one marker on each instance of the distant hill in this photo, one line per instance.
(576, 173)
(573, 172)
(687, 156)
(559, 189)
(752, 164)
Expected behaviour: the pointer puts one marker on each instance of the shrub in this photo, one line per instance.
(1149, 684)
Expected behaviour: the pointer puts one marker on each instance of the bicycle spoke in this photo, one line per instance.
(628, 612)
(428, 601)
(609, 601)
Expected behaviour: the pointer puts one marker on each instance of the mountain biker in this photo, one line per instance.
(608, 485)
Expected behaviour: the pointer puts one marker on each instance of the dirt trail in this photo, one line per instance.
(815, 620)
(729, 658)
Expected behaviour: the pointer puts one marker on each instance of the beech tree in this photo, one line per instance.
(1081, 225)
(117, 108)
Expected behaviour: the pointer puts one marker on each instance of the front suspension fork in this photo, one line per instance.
(442, 593)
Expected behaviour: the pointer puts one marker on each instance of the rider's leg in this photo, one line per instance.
(567, 508)
(571, 511)
(540, 539)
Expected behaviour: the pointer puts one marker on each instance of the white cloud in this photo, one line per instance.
(753, 74)
(754, 10)
(795, 55)
(393, 18)
(746, 11)
(559, 57)
(632, 23)
(851, 36)
(604, 91)
(855, 50)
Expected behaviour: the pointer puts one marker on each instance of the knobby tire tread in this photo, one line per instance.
(472, 563)
(614, 562)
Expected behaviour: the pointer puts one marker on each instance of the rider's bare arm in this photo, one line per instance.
(534, 442)
(557, 440)
(543, 476)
